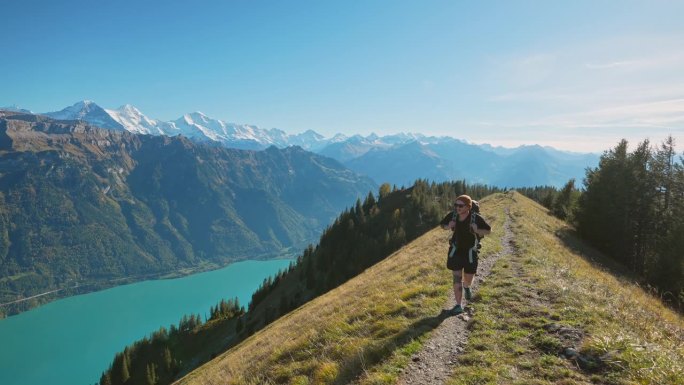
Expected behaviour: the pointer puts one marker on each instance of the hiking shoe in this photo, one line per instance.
(457, 310)
(468, 293)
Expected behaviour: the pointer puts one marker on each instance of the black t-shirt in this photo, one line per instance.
(463, 237)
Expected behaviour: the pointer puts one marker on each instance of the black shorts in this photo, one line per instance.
(461, 261)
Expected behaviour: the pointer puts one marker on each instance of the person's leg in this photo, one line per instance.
(458, 286)
(468, 279)
(467, 283)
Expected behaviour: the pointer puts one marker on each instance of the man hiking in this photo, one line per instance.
(468, 227)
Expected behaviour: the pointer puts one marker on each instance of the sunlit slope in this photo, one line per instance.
(539, 301)
(553, 313)
(371, 319)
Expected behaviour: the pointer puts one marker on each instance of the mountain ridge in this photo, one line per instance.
(457, 159)
(149, 205)
(370, 329)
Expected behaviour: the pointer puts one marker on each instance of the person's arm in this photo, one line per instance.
(481, 227)
(446, 222)
(480, 232)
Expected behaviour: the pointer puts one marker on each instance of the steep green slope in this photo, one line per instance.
(550, 295)
(359, 238)
(83, 207)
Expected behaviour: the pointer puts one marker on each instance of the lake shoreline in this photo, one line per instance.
(21, 305)
(72, 340)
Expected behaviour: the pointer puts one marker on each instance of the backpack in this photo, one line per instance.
(474, 210)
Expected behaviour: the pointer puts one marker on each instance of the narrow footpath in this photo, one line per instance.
(436, 361)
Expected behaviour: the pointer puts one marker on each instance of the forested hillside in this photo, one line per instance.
(359, 238)
(83, 207)
(631, 206)
(551, 311)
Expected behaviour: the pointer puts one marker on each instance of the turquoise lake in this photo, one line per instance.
(73, 340)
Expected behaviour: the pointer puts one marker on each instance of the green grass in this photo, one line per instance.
(543, 298)
(546, 298)
(366, 329)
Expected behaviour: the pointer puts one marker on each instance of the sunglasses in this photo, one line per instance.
(458, 205)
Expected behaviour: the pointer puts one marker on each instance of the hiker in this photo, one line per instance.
(468, 227)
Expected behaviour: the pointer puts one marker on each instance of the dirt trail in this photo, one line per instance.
(434, 364)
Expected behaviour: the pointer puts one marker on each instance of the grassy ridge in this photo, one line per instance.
(366, 329)
(552, 295)
(545, 299)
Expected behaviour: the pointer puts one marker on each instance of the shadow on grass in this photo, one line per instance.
(381, 350)
(599, 260)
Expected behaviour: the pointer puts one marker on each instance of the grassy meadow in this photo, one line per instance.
(549, 313)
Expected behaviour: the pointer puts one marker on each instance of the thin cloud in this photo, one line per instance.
(655, 61)
(593, 130)
(529, 70)
(617, 64)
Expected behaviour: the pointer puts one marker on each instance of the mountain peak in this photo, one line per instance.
(129, 108)
(15, 108)
(199, 114)
(84, 105)
(88, 111)
(81, 104)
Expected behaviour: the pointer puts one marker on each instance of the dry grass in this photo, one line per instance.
(375, 318)
(366, 330)
(552, 294)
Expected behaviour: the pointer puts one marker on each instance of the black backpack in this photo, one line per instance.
(475, 210)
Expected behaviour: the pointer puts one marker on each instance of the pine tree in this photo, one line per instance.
(106, 378)
(604, 202)
(368, 203)
(125, 366)
(168, 361)
(359, 214)
(565, 201)
(151, 374)
(384, 190)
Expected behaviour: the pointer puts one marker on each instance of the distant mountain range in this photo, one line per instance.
(397, 159)
(82, 204)
(442, 159)
(195, 126)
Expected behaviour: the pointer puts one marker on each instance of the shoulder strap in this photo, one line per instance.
(473, 219)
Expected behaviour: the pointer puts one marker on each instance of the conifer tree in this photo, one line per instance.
(168, 361)
(632, 209)
(125, 366)
(565, 201)
(368, 203)
(384, 190)
(106, 378)
(151, 374)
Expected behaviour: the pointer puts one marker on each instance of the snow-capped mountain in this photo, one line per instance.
(15, 108)
(135, 121)
(398, 158)
(308, 140)
(196, 126)
(202, 128)
(88, 111)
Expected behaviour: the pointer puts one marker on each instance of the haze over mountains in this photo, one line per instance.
(79, 203)
(398, 159)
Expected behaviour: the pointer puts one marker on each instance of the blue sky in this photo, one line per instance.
(576, 75)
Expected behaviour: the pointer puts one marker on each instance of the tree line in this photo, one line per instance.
(361, 236)
(631, 207)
